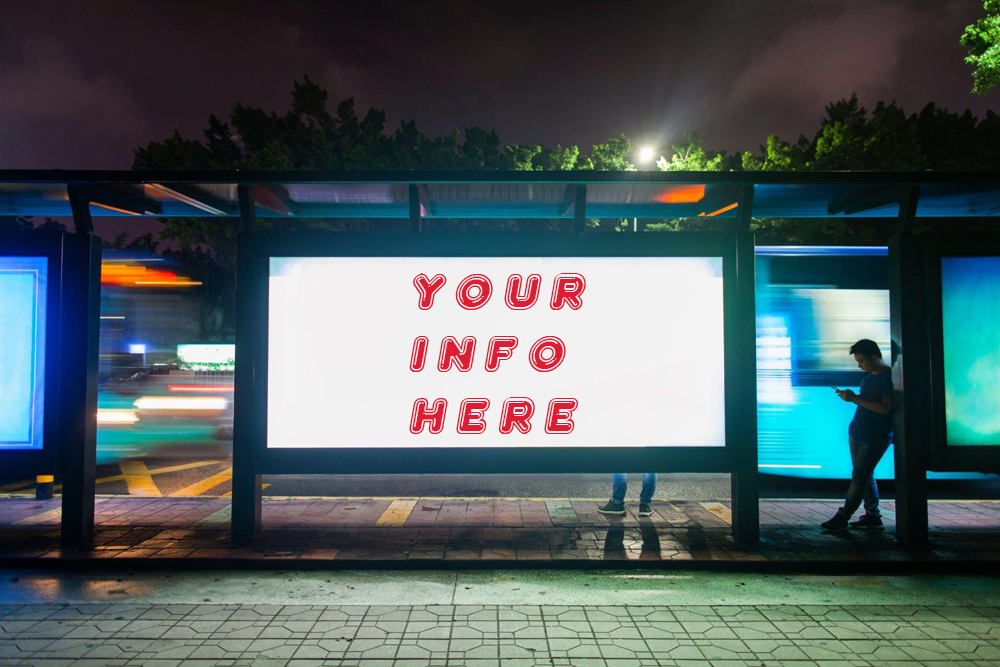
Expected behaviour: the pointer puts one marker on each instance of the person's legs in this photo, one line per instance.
(871, 495)
(866, 457)
(840, 520)
(648, 487)
(616, 506)
(619, 485)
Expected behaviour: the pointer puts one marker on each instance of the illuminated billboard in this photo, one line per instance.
(970, 311)
(459, 352)
(22, 351)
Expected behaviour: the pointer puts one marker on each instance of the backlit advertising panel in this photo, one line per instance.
(23, 292)
(970, 312)
(495, 352)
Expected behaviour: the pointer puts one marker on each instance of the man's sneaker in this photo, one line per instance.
(869, 521)
(645, 509)
(837, 524)
(612, 507)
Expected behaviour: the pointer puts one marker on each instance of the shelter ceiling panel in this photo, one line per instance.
(348, 193)
(493, 200)
(661, 200)
(226, 191)
(803, 201)
(958, 201)
(34, 199)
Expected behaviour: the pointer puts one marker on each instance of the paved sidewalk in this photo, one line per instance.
(494, 618)
(486, 530)
(109, 635)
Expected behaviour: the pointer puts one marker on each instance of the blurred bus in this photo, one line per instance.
(813, 303)
(150, 315)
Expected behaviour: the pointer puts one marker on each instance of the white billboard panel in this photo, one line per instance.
(427, 352)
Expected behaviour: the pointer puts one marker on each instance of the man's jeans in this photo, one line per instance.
(864, 457)
(619, 484)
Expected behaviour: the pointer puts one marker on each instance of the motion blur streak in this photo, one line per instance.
(116, 417)
(150, 403)
(199, 388)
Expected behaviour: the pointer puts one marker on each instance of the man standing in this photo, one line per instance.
(619, 484)
(869, 435)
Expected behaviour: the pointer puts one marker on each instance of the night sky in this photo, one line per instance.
(83, 83)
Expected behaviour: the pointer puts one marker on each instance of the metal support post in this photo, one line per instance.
(245, 522)
(79, 338)
(744, 478)
(248, 215)
(79, 204)
(908, 210)
(744, 212)
(580, 209)
(911, 379)
(416, 219)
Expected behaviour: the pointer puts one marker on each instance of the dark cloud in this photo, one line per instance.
(85, 83)
(51, 105)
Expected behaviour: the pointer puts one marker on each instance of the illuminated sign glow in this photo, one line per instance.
(495, 352)
(207, 356)
(970, 310)
(22, 351)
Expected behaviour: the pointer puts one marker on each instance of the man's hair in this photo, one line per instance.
(869, 348)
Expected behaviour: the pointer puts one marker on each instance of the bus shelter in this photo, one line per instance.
(530, 351)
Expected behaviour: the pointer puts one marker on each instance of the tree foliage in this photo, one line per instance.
(851, 138)
(691, 155)
(982, 42)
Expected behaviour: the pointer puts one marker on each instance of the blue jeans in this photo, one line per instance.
(864, 457)
(619, 484)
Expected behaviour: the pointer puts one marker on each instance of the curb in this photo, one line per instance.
(840, 567)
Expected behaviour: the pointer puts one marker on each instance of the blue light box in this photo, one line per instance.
(970, 309)
(22, 351)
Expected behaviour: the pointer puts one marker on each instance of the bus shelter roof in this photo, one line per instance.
(504, 194)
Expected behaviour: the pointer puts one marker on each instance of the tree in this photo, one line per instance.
(691, 155)
(848, 139)
(982, 41)
(777, 155)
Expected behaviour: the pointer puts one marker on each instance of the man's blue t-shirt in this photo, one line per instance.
(868, 425)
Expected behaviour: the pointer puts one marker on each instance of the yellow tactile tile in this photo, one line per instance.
(396, 513)
(718, 509)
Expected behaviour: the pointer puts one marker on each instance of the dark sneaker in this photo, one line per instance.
(837, 524)
(645, 509)
(612, 507)
(868, 521)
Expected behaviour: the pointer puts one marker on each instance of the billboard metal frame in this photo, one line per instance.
(71, 355)
(31, 462)
(953, 458)
(252, 458)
